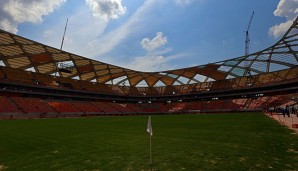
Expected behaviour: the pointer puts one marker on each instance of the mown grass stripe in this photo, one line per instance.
(244, 141)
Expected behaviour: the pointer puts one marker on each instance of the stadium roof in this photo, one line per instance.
(22, 53)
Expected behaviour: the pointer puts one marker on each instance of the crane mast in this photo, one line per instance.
(247, 40)
(64, 34)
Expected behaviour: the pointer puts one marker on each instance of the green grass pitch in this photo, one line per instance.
(246, 141)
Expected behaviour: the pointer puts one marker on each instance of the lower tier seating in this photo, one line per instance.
(122, 107)
(25, 107)
(87, 107)
(214, 105)
(105, 107)
(32, 105)
(7, 106)
(64, 107)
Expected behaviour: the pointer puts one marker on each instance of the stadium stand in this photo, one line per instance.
(33, 105)
(64, 107)
(177, 107)
(7, 106)
(17, 75)
(1, 74)
(40, 81)
(106, 107)
(46, 80)
(135, 107)
(214, 105)
(231, 105)
(123, 108)
(87, 107)
(199, 105)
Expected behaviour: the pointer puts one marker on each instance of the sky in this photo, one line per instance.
(151, 35)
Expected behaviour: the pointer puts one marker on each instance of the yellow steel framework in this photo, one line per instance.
(21, 53)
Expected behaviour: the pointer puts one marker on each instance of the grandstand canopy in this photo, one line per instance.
(22, 53)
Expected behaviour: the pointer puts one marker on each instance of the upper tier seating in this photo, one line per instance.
(69, 83)
(1, 74)
(20, 76)
(45, 80)
(17, 75)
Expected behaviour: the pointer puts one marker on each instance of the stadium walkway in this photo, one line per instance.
(291, 122)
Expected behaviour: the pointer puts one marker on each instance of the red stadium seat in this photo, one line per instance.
(64, 107)
(7, 106)
(104, 106)
(33, 105)
(87, 107)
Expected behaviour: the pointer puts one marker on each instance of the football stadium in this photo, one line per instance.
(62, 111)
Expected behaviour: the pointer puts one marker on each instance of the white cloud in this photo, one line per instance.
(155, 59)
(48, 33)
(287, 9)
(152, 62)
(87, 33)
(5, 24)
(107, 42)
(280, 29)
(106, 9)
(14, 12)
(82, 29)
(158, 41)
(84, 35)
(136, 23)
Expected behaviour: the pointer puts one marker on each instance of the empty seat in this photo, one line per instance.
(32, 105)
(64, 107)
(6, 106)
(104, 106)
(87, 107)
(121, 107)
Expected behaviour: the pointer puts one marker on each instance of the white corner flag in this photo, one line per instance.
(149, 130)
(149, 127)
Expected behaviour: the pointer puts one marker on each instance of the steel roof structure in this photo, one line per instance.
(21, 53)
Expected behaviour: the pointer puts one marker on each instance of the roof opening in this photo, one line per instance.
(159, 84)
(2, 63)
(142, 83)
(32, 69)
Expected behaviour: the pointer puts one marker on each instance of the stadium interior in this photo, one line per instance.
(38, 81)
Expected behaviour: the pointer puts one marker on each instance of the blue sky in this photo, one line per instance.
(151, 35)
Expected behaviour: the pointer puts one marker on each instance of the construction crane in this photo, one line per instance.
(247, 40)
(64, 34)
(63, 66)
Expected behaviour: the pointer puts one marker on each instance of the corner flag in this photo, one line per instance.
(149, 130)
(149, 127)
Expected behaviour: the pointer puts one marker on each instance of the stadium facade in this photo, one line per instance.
(37, 80)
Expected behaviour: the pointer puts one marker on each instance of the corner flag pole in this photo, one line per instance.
(149, 130)
(150, 154)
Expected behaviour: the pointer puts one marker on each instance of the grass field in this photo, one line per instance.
(250, 141)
